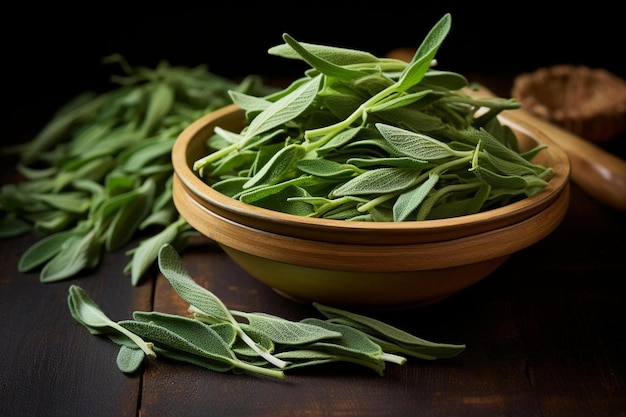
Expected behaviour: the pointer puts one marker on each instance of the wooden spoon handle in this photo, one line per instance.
(601, 174)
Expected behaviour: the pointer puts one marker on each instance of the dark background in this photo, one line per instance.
(51, 55)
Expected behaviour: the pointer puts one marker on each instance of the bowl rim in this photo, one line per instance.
(199, 130)
(379, 256)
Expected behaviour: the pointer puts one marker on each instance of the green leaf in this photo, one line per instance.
(11, 227)
(287, 332)
(43, 250)
(415, 145)
(390, 162)
(227, 332)
(249, 103)
(323, 65)
(281, 197)
(54, 221)
(73, 202)
(390, 333)
(377, 181)
(193, 332)
(400, 101)
(325, 168)
(284, 109)
(446, 80)
(89, 169)
(212, 347)
(129, 216)
(147, 252)
(129, 360)
(456, 207)
(308, 357)
(196, 360)
(161, 100)
(409, 201)
(424, 55)
(174, 271)
(335, 55)
(230, 186)
(278, 167)
(352, 343)
(510, 182)
(76, 110)
(151, 151)
(86, 312)
(78, 252)
(342, 138)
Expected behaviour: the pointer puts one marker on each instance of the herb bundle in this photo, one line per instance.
(99, 173)
(224, 340)
(364, 138)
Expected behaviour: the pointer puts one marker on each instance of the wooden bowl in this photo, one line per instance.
(365, 264)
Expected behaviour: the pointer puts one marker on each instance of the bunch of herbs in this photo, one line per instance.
(98, 175)
(364, 138)
(224, 340)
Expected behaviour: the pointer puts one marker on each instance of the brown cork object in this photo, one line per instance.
(590, 102)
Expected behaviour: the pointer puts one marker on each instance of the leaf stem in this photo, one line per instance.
(142, 344)
(390, 357)
(328, 132)
(214, 156)
(275, 373)
(262, 352)
(436, 170)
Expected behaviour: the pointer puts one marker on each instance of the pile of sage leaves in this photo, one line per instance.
(99, 173)
(364, 138)
(224, 340)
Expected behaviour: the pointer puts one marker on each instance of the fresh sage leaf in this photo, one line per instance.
(415, 145)
(377, 181)
(10, 227)
(284, 109)
(409, 201)
(390, 333)
(425, 53)
(129, 360)
(129, 216)
(147, 252)
(43, 250)
(323, 65)
(286, 332)
(86, 312)
(78, 252)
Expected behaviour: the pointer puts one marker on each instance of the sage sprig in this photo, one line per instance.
(183, 334)
(224, 340)
(204, 301)
(98, 175)
(364, 138)
(392, 338)
(85, 311)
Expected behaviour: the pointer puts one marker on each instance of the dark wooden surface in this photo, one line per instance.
(545, 336)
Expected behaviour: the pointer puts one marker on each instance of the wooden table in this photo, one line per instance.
(545, 336)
